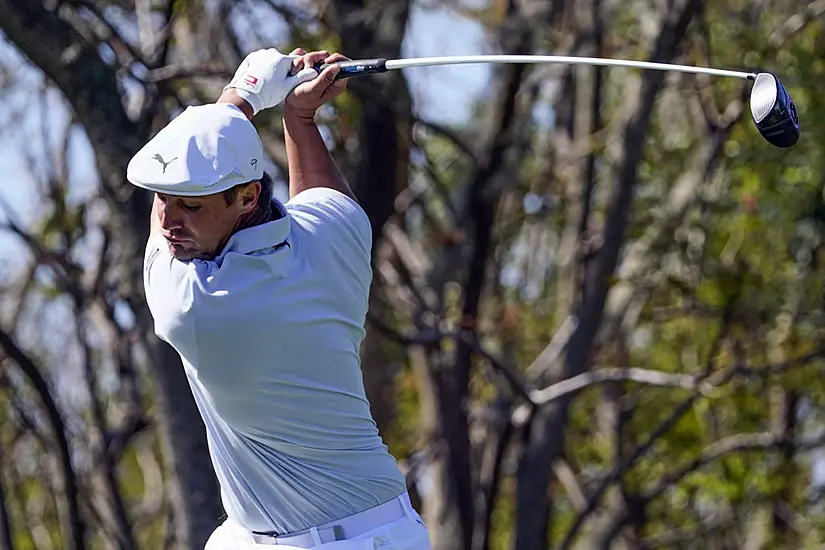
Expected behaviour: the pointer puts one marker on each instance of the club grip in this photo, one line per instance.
(356, 68)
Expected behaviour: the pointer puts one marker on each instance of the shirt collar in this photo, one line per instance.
(259, 237)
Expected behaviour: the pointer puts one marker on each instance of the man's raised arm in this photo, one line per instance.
(310, 163)
(263, 80)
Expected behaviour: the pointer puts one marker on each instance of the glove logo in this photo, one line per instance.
(251, 80)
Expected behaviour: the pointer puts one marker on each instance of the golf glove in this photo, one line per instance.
(263, 78)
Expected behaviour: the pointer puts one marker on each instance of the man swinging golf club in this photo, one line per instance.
(265, 302)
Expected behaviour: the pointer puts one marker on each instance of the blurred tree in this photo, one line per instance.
(596, 317)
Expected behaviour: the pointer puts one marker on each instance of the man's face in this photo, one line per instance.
(198, 227)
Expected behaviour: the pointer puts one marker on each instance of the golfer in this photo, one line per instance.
(266, 302)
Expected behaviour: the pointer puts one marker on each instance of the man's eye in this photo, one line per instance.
(191, 207)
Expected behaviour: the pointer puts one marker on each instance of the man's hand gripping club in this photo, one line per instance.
(267, 78)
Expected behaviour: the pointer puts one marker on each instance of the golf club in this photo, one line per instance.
(772, 108)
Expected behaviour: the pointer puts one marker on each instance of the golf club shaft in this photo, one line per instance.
(373, 66)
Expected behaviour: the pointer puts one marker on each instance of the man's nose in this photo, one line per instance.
(170, 217)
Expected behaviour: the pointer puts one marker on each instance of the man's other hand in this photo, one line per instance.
(307, 97)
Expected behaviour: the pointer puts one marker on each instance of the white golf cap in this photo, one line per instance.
(205, 150)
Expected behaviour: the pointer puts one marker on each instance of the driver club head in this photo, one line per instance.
(773, 111)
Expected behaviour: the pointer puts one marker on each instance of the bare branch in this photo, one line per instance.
(19, 498)
(617, 374)
(764, 441)
(76, 539)
(120, 524)
(291, 15)
(445, 132)
(796, 23)
(506, 371)
(499, 432)
(27, 280)
(773, 369)
(63, 267)
(674, 537)
(156, 54)
(413, 264)
(97, 286)
(124, 51)
(554, 349)
(6, 542)
(153, 495)
(736, 443)
(704, 386)
(27, 421)
(567, 477)
(174, 72)
(619, 469)
(170, 539)
(610, 374)
(145, 28)
(640, 254)
(133, 425)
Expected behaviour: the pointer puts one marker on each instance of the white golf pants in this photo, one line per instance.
(404, 530)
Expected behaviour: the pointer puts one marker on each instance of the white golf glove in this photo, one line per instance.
(263, 78)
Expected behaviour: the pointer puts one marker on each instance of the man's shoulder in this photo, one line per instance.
(325, 199)
(322, 210)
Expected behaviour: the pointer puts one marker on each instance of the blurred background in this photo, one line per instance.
(597, 311)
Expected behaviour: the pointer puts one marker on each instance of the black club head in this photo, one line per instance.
(773, 111)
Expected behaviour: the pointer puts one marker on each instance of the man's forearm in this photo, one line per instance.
(310, 162)
(232, 97)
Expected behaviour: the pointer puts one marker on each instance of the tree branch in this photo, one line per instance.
(434, 336)
(619, 469)
(451, 135)
(553, 351)
(76, 539)
(567, 477)
(673, 538)
(6, 541)
(796, 23)
(764, 441)
(121, 527)
(641, 254)
(610, 374)
(174, 72)
(739, 442)
(92, 89)
(124, 51)
(507, 372)
(499, 431)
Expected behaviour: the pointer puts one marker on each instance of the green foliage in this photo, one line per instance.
(403, 437)
(737, 280)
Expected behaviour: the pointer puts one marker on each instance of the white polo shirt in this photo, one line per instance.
(270, 338)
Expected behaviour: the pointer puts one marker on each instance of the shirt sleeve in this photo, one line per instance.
(170, 286)
(335, 217)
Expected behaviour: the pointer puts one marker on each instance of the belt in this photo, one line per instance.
(344, 528)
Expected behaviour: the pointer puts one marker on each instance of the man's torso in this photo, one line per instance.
(270, 341)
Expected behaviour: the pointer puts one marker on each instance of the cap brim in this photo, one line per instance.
(205, 150)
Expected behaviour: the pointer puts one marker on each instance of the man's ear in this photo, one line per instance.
(249, 196)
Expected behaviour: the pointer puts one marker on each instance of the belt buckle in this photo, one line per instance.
(275, 539)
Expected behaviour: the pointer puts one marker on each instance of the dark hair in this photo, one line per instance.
(266, 190)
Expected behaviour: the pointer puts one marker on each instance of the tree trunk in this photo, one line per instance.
(545, 440)
(68, 487)
(91, 88)
(5, 525)
(193, 491)
(379, 173)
